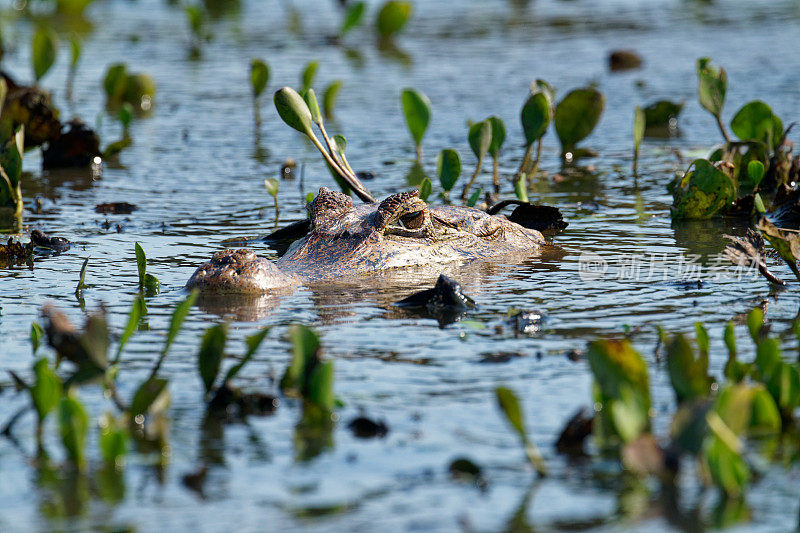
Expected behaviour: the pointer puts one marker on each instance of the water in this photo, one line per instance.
(196, 171)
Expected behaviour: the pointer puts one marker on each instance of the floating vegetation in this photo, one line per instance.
(137, 89)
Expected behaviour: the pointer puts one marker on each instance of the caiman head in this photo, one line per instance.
(401, 231)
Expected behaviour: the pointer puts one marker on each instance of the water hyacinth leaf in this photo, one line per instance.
(498, 135)
(36, 336)
(309, 197)
(114, 81)
(329, 97)
(272, 186)
(46, 389)
(659, 114)
(113, 441)
(703, 340)
(535, 117)
(320, 386)
(212, 350)
(293, 110)
(473, 200)
(253, 342)
(702, 193)
(141, 263)
(768, 357)
(43, 51)
(629, 414)
(151, 285)
(139, 88)
(448, 168)
(576, 116)
(766, 418)
(520, 188)
(138, 310)
(82, 276)
(728, 469)
(785, 242)
(73, 423)
(305, 350)
(425, 189)
(688, 374)
(510, 407)
(755, 121)
(392, 17)
(307, 78)
(480, 138)
(146, 395)
(75, 50)
(615, 363)
(755, 321)
(259, 76)
(125, 115)
(352, 16)
(784, 386)
(178, 316)
(417, 111)
(712, 85)
(755, 171)
(313, 106)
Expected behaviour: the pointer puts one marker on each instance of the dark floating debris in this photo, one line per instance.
(526, 322)
(572, 437)
(76, 147)
(786, 208)
(116, 208)
(544, 218)
(749, 251)
(499, 357)
(365, 428)
(239, 404)
(464, 469)
(619, 60)
(31, 107)
(195, 481)
(15, 252)
(42, 239)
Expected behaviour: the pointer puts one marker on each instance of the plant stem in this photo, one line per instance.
(468, 186)
(352, 181)
(525, 161)
(277, 211)
(419, 153)
(495, 175)
(535, 169)
(722, 128)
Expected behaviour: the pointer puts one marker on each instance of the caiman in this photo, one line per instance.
(346, 240)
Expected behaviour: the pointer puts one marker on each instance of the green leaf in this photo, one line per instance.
(711, 87)
(535, 117)
(178, 316)
(293, 110)
(687, 373)
(521, 188)
(392, 17)
(448, 168)
(43, 52)
(138, 310)
(638, 129)
(75, 49)
(151, 285)
(576, 116)
(615, 363)
(417, 110)
(252, 342)
(272, 186)
(766, 417)
(141, 263)
(113, 441)
(313, 106)
(629, 413)
(784, 385)
(480, 138)
(82, 277)
(307, 78)
(498, 135)
(755, 121)
(320, 386)
(755, 321)
(11, 157)
(125, 115)
(785, 242)
(36, 336)
(305, 352)
(3, 93)
(728, 469)
(659, 113)
(702, 193)
(137, 87)
(352, 16)
(115, 81)
(755, 171)
(73, 424)
(146, 395)
(329, 97)
(474, 198)
(259, 76)
(510, 407)
(46, 389)
(309, 197)
(425, 189)
(212, 350)
(196, 16)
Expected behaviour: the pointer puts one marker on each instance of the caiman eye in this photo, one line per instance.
(413, 220)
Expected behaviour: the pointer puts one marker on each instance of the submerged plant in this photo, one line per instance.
(417, 111)
(272, 186)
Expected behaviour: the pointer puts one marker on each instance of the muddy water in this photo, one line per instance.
(196, 171)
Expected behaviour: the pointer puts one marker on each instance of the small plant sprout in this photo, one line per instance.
(308, 75)
(712, 83)
(536, 115)
(448, 168)
(73, 422)
(148, 284)
(81, 278)
(272, 186)
(295, 112)
(197, 17)
(44, 48)
(75, 56)
(354, 13)
(392, 18)
(509, 405)
(417, 110)
(480, 138)
(138, 89)
(575, 118)
(329, 97)
(498, 138)
(259, 77)
(473, 200)
(638, 134)
(45, 393)
(425, 189)
(36, 336)
(11, 173)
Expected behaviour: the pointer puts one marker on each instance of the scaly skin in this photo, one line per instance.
(346, 240)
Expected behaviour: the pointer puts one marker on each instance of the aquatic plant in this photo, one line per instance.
(148, 283)
(448, 167)
(44, 47)
(576, 116)
(272, 186)
(639, 124)
(392, 18)
(137, 89)
(197, 19)
(259, 77)
(353, 14)
(417, 111)
(509, 404)
(308, 375)
(307, 76)
(295, 112)
(480, 139)
(76, 49)
(712, 84)
(11, 173)
(329, 96)
(536, 115)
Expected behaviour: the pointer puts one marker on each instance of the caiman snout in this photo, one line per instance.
(239, 271)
